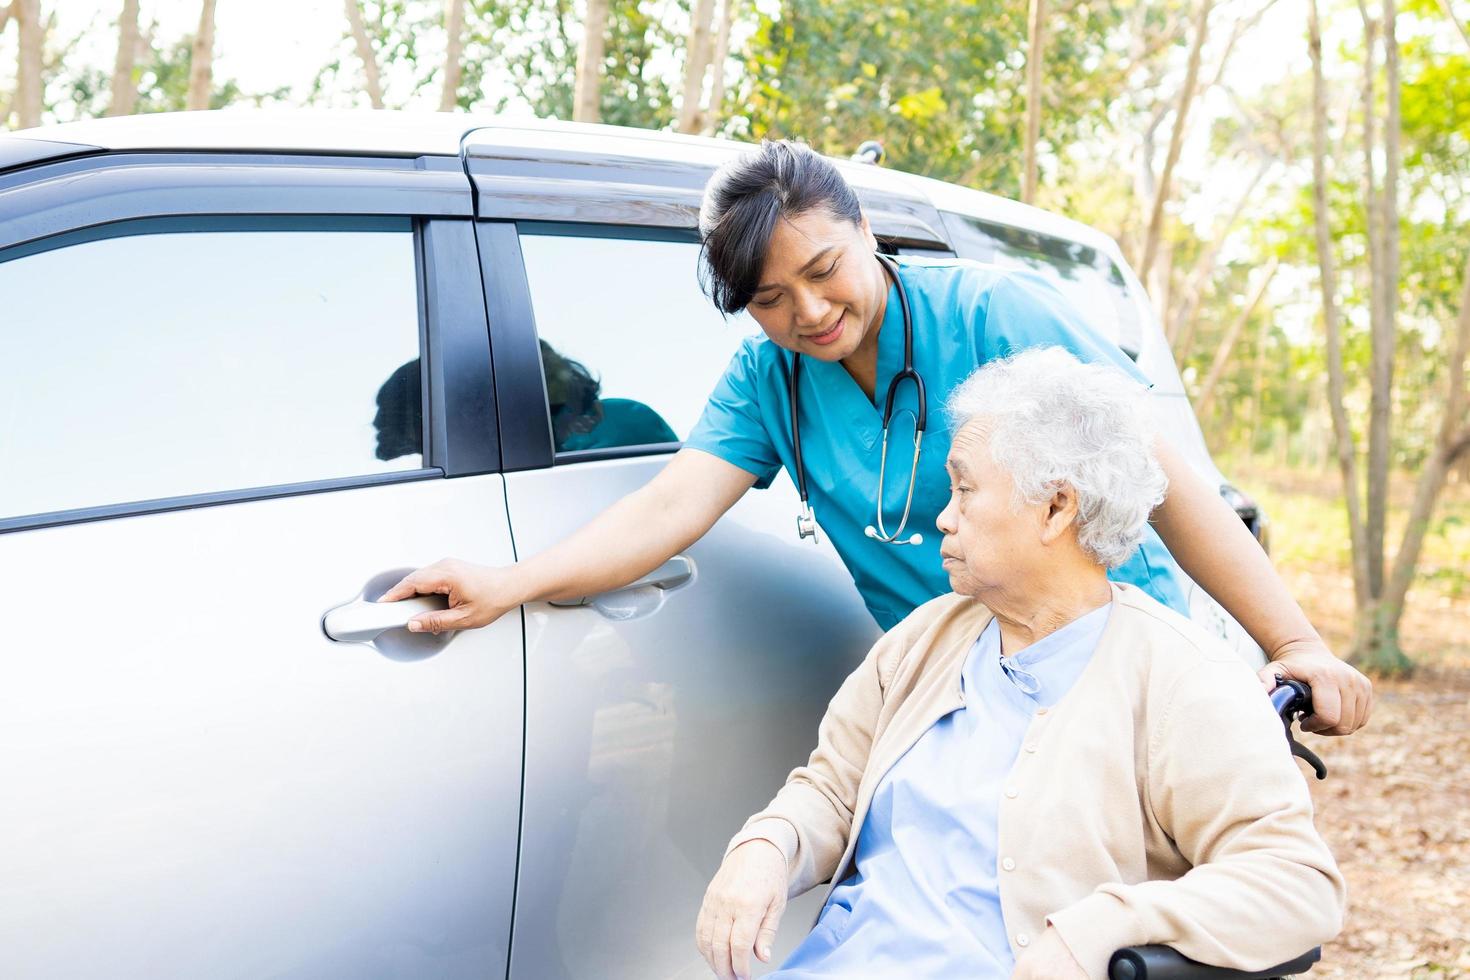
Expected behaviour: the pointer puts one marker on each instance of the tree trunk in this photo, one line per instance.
(1452, 443)
(1180, 327)
(124, 87)
(1379, 651)
(1347, 452)
(1176, 142)
(1459, 24)
(696, 64)
(715, 112)
(28, 81)
(1227, 345)
(454, 56)
(587, 96)
(1035, 56)
(201, 61)
(1378, 416)
(365, 53)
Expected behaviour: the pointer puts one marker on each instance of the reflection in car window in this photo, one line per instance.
(630, 355)
(169, 357)
(1086, 276)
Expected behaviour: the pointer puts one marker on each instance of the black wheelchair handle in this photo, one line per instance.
(1163, 963)
(1293, 700)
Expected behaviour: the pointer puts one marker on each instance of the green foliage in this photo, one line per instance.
(394, 28)
(532, 45)
(82, 91)
(941, 84)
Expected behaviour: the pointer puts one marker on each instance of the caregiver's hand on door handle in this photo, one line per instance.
(478, 594)
(626, 541)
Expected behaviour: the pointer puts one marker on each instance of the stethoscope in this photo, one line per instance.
(806, 521)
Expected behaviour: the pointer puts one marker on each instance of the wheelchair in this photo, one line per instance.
(1292, 700)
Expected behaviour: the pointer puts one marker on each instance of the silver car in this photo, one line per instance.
(255, 367)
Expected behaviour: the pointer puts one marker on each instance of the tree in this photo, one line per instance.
(697, 56)
(1035, 56)
(30, 41)
(714, 114)
(941, 83)
(587, 98)
(454, 55)
(1440, 131)
(365, 53)
(1176, 140)
(1204, 399)
(124, 85)
(201, 59)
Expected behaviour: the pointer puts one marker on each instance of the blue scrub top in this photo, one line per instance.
(964, 315)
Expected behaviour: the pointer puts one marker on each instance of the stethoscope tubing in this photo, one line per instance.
(806, 520)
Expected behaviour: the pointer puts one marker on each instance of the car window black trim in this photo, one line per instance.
(175, 224)
(464, 437)
(162, 505)
(77, 193)
(467, 450)
(523, 420)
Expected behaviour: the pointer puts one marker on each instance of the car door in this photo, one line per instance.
(215, 429)
(658, 717)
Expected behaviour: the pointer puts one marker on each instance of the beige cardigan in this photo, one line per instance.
(1155, 803)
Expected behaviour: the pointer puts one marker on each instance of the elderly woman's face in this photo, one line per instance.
(990, 541)
(821, 289)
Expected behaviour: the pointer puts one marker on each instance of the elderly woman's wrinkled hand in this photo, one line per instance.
(742, 908)
(1342, 698)
(1049, 959)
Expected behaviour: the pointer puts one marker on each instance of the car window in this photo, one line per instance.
(630, 345)
(172, 357)
(1085, 275)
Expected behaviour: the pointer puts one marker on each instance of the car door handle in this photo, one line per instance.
(361, 621)
(670, 575)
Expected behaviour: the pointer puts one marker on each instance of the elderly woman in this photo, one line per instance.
(1043, 766)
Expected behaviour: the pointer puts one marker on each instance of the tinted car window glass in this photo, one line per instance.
(630, 346)
(172, 357)
(1086, 276)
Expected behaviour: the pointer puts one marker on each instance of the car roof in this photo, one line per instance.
(415, 134)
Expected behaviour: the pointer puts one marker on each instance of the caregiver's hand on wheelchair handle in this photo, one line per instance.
(742, 908)
(1342, 698)
(478, 594)
(1048, 959)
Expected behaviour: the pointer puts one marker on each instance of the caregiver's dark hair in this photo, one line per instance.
(744, 200)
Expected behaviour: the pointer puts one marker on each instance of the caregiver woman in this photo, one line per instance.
(785, 239)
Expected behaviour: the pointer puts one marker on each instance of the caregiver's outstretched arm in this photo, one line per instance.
(1215, 548)
(631, 538)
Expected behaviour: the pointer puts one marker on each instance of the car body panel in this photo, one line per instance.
(200, 783)
(656, 722)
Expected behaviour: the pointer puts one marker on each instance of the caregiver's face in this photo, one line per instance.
(988, 539)
(821, 292)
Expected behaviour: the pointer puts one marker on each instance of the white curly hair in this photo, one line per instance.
(1053, 420)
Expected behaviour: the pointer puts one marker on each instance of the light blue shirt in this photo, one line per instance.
(964, 315)
(924, 896)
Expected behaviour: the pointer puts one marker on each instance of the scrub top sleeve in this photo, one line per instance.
(1027, 311)
(731, 426)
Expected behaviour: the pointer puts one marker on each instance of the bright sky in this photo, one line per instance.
(262, 44)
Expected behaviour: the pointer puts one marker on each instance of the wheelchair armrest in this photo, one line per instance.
(1163, 963)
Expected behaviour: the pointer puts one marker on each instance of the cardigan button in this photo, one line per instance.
(1031, 747)
(1008, 864)
(1041, 711)
(1011, 794)
(1022, 939)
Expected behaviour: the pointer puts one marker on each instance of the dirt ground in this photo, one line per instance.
(1396, 805)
